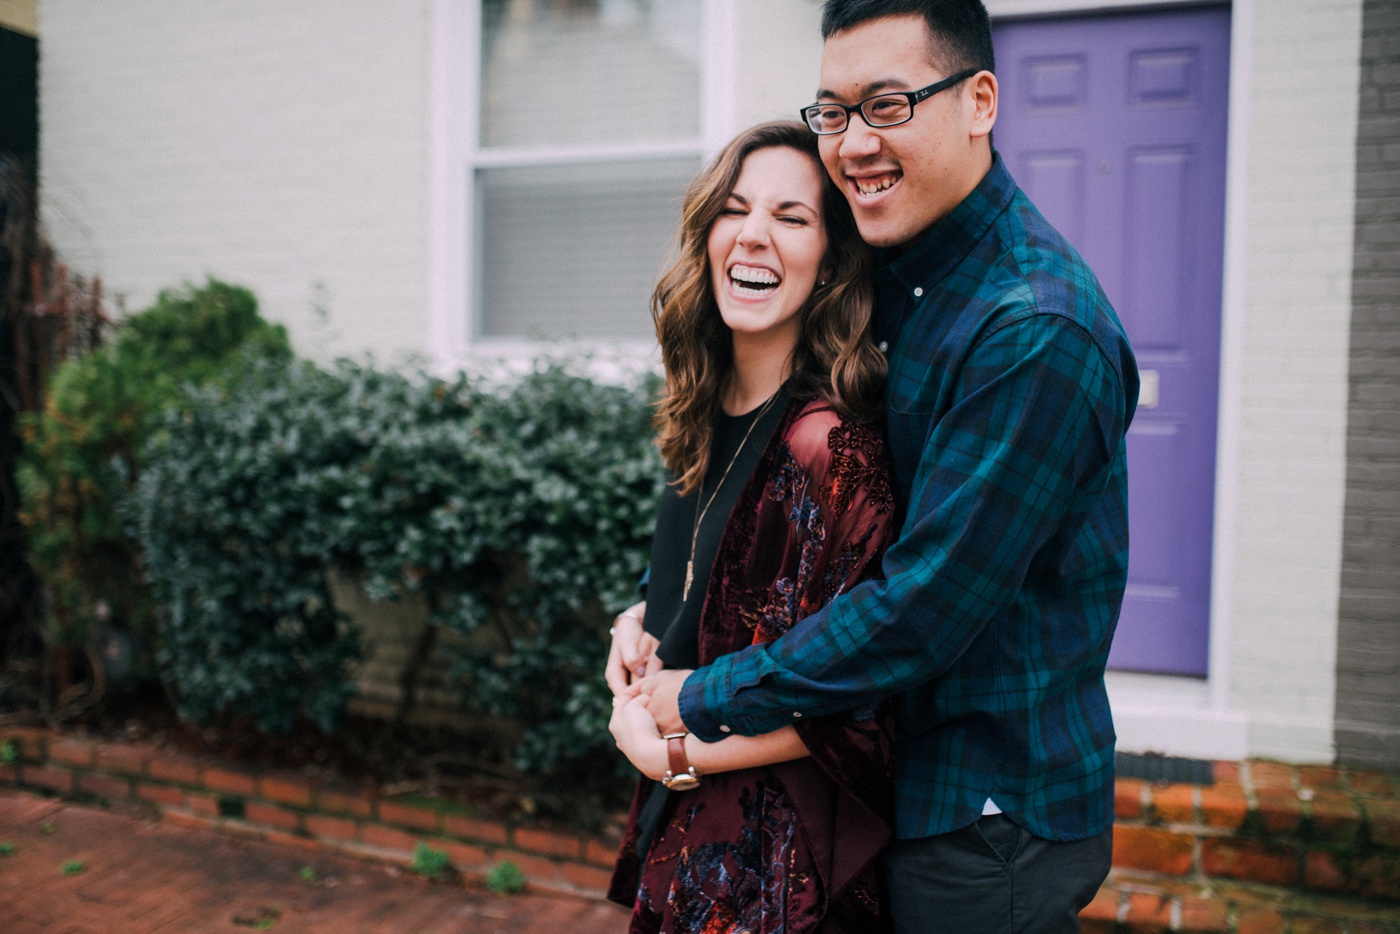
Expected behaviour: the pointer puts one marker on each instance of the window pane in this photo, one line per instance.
(574, 251)
(559, 72)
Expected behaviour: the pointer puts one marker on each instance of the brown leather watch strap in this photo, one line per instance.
(675, 753)
(680, 775)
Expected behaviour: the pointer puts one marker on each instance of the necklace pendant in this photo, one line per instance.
(689, 579)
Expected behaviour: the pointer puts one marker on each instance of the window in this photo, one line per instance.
(584, 120)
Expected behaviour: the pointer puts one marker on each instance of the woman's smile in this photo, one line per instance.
(753, 281)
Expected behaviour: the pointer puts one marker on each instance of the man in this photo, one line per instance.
(1010, 391)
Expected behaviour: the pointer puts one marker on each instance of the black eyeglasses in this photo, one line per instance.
(889, 109)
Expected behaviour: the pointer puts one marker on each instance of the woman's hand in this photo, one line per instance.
(637, 736)
(662, 691)
(633, 653)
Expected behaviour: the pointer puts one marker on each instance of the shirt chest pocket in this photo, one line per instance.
(915, 399)
(914, 387)
(931, 341)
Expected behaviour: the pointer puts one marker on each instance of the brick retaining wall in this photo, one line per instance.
(1323, 829)
(1268, 848)
(292, 808)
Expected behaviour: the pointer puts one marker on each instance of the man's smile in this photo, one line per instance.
(876, 183)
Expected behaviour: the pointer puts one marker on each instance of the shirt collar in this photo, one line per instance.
(935, 252)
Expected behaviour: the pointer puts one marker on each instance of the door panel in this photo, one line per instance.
(1115, 126)
(1155, 210)
(1057, 177)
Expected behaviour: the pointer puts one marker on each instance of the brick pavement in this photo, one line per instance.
(1266, 848)
(139, 875)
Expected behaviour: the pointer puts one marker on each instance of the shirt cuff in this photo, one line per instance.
(721, 699)
(704, 701)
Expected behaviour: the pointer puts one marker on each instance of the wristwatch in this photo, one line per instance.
(681, 774)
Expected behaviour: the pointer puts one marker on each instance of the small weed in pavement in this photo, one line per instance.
(7, 848)
(72, 867)
(505, 878)
(428, 862)
(47, 828)
(9, 752)
(261, 918)
(307, 873)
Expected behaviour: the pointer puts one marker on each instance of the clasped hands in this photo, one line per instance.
(645, 697)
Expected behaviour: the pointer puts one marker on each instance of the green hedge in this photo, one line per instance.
(522, 514)
(82, 451)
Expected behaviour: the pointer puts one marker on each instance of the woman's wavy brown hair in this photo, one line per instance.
(834, 358)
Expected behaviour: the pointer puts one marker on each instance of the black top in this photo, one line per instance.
(675, 622)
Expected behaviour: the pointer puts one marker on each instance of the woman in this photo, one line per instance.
(780, 499)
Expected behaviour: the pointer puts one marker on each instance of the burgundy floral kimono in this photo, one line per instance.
(786, 848)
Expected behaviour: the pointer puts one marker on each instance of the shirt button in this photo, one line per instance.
(918, 292)
(724, 728)
(797, 713)
(883, 347)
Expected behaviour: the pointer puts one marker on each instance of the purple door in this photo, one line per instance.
(1115, 127)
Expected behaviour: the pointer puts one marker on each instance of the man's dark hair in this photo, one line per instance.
(960, 31)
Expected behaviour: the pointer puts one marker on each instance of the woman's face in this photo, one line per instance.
(767, 244)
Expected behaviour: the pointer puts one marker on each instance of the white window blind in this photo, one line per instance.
(589, 132)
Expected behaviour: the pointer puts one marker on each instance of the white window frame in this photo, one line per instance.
(456, 155)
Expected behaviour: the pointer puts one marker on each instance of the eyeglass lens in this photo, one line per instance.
(877, 111)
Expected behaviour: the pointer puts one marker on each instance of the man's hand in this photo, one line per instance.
(662, 691)
(633, 652)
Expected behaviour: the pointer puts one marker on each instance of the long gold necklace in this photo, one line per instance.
(700, 513)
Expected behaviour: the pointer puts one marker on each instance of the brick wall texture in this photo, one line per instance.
(281, 146)
(1283, 423)
(1368, 651)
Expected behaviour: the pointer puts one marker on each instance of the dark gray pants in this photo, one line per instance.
(992, 877)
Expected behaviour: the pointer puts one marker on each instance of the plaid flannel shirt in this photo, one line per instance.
(1010, 391)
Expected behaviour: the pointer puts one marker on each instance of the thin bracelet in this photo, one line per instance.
(612, 630)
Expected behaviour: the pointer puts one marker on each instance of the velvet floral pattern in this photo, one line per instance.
(756, 850)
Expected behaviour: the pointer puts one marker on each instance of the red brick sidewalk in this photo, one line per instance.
(1266, 848)
(138, 875)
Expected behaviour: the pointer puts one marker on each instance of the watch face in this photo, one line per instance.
(682, 782)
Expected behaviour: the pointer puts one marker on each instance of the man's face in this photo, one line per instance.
(900, 180)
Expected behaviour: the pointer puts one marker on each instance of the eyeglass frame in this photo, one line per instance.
(914, 97)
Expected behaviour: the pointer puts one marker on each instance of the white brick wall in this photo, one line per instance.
(284, 146)
(779, 51)
(278, 145)
(1286, 436)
